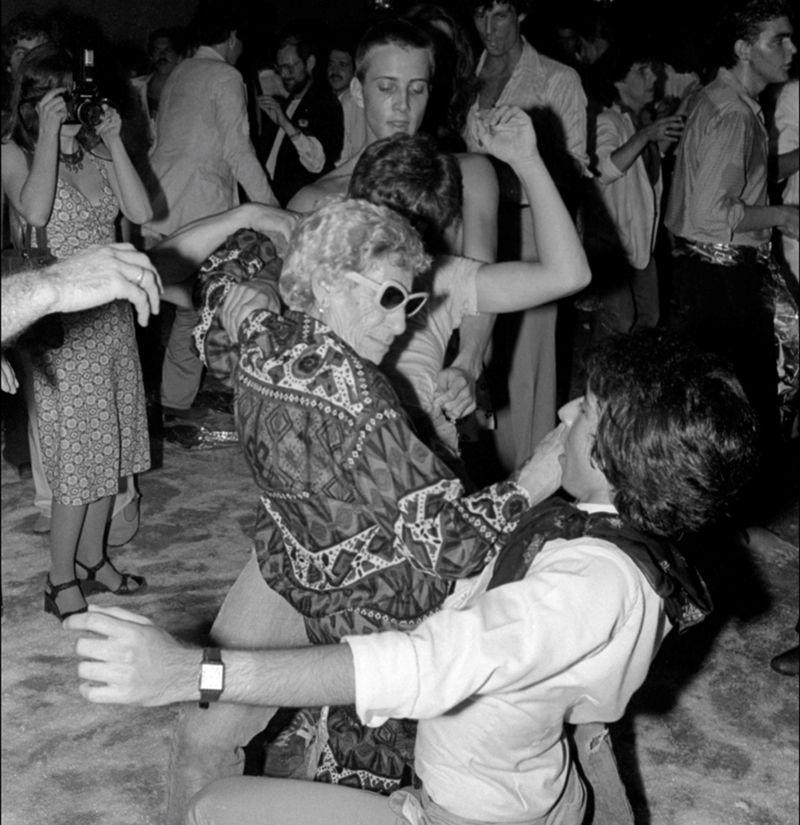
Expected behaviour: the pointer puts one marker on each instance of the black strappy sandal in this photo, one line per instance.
(90, 584)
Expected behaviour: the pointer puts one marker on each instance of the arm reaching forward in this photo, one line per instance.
(130, 661)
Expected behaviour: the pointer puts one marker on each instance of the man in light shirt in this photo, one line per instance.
(511, 72)
(559, 628)
(203, 149)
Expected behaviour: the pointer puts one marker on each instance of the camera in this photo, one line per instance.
(84, 103)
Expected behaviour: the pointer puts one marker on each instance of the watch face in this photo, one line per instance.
(211, 676)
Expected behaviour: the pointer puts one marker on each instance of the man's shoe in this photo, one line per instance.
(191, 414)
(42, 524)
(787, 663)
(124, 526)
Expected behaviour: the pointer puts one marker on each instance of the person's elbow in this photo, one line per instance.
(578, 277)
(37, 218)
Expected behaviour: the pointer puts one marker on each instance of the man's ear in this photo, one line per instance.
(741, 48)
(357, 91)
(310, 63)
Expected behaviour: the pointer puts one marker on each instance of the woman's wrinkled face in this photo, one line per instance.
(355, 315)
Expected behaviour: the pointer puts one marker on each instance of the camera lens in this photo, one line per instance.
(90, 112)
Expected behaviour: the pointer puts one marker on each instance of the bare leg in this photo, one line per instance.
(65, 531)
(90, 546)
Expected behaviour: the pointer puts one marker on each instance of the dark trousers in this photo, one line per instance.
(727, 310)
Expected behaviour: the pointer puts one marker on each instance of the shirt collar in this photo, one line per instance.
(596, 508)
(727, 77)
(209, 53)
(528, 54)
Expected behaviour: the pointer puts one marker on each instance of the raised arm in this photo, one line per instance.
(124, 179)
(562, 268)
(455, 391)
(31, 189)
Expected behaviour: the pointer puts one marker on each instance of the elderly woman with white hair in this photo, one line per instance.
(360, 526)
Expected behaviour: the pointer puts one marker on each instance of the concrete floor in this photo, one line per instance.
(711, 739)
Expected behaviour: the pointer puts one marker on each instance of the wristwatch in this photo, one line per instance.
(212, 676)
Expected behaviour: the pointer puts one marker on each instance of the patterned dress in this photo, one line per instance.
(89, 392)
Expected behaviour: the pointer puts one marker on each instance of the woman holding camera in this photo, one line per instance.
(89, 393)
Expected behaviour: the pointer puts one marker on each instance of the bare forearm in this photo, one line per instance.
(764, 217)
(475, 333)
(26, 297)
(557, 241)
(134, 201)
(624, 157)
(38, 192)
(787, 164)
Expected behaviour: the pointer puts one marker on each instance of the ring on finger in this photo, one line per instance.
(141, 275)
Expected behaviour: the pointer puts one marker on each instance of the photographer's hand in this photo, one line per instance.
(52, 111)
(110, 126)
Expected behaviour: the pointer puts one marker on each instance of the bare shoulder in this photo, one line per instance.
(311, 196)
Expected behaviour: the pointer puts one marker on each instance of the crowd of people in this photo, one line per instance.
(385, 247)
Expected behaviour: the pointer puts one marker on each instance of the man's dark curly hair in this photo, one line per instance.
(411, 176)
(743, 20)
(519, 6)
(676, 437)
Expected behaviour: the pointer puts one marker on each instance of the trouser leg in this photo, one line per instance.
(208, 744)
(599, 767)
(182, 370)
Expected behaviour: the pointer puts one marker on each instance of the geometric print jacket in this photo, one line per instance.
(361, 527)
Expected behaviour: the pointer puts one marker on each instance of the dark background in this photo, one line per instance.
(126, 22)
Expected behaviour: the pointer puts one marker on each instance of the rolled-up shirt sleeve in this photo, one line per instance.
(504, 640)
(608, 141)
(309, 151)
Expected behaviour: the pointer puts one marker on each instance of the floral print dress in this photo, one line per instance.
(89, 393)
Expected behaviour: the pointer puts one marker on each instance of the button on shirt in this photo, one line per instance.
(721, 166)
(494, 676)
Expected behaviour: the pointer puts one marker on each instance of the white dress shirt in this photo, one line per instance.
(494, 676)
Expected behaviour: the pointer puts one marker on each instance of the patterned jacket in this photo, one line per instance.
(362, 527)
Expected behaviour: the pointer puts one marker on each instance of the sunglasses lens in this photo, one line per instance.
(392, 298)
(415, 304)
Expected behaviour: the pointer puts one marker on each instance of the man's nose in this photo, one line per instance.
(569, 411)
(402, 100)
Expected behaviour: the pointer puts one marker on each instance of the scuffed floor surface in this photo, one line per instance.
(711, 739)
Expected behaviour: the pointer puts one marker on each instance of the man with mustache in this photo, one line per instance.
(303, 134)
(341, 69)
